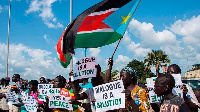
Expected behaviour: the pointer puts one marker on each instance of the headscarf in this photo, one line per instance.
(130, 70)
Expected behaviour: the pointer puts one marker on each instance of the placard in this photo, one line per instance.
(12, 98)
(59, 98)
(30, 103)
(43, 91)
(85, 68)
(176, 90)
(109, 97)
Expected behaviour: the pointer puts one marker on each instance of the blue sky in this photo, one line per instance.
(36, 25)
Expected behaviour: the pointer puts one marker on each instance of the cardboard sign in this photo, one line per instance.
(153, 96)
(109, 97)
(43, 91)
(85, 68)
(56, 100)
(12, 98)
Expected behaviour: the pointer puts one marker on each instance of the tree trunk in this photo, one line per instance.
(157, 70)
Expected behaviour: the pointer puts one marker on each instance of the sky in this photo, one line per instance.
(36, 25)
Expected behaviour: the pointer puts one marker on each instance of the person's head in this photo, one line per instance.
(173, 69)
(128, 76)
(23, 84)
(6, 81)
(15, 77)
(59, 82)
(14, 89)
(2, 81)
(197, 94)
(33, 85)
(42, 80)
(164, 84)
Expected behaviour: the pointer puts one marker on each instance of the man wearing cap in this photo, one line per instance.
(5, 89)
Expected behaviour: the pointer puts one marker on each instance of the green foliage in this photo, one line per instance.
(156, 58)
(113, 73)
(139, 67)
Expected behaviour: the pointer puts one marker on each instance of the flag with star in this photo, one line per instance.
(99, 25)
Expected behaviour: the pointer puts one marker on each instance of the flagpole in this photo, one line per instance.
(124, 31)
(8, 39)
(71, 61)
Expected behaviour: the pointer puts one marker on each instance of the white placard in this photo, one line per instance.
(60, 100)
(85, 68)
(30, 103)
(176, 90)
(43, 91)
(109, 97)
(12, 98)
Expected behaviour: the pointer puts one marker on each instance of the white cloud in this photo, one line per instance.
(189, 29)
(94, 51)
(126, 38)
(149, 37)
(121, 62)
(137, 50)
(30, 63)
(44, 9)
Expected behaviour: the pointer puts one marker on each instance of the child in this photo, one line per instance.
(170, 103)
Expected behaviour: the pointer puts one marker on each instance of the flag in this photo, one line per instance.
(99, 25)
(63, 58)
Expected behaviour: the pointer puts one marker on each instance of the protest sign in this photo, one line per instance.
(43, 91)
(109, 97)
(176, 90)
(152, 95)
(30, 103)
(59, 98)
(85, 68)
(12, 98)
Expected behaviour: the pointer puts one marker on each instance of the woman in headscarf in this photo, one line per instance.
(136, 97)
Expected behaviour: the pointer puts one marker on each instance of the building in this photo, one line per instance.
(193, 74)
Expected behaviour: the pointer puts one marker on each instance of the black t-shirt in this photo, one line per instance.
(176, 104)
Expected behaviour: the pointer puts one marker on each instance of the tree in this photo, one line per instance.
(139, 67)
(113, 73)
(156, 58)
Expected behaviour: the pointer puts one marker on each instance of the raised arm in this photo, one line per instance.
(108, 75)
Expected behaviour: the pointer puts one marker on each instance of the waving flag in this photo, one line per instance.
(100, 25)
(63, 58)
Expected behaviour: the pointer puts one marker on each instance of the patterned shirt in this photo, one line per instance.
(176, 104)
(142, 97)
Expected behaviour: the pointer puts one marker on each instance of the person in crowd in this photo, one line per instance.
(23, 90)
(89, 93)
(16, 78)
(5, 89)
(14, 107)
(59, 82)
(2, 83)
(170, 102)
(85, 83)
(133, 91)
(192, 102)
(43, 80)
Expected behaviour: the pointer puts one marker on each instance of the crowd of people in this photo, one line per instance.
(83, 94)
